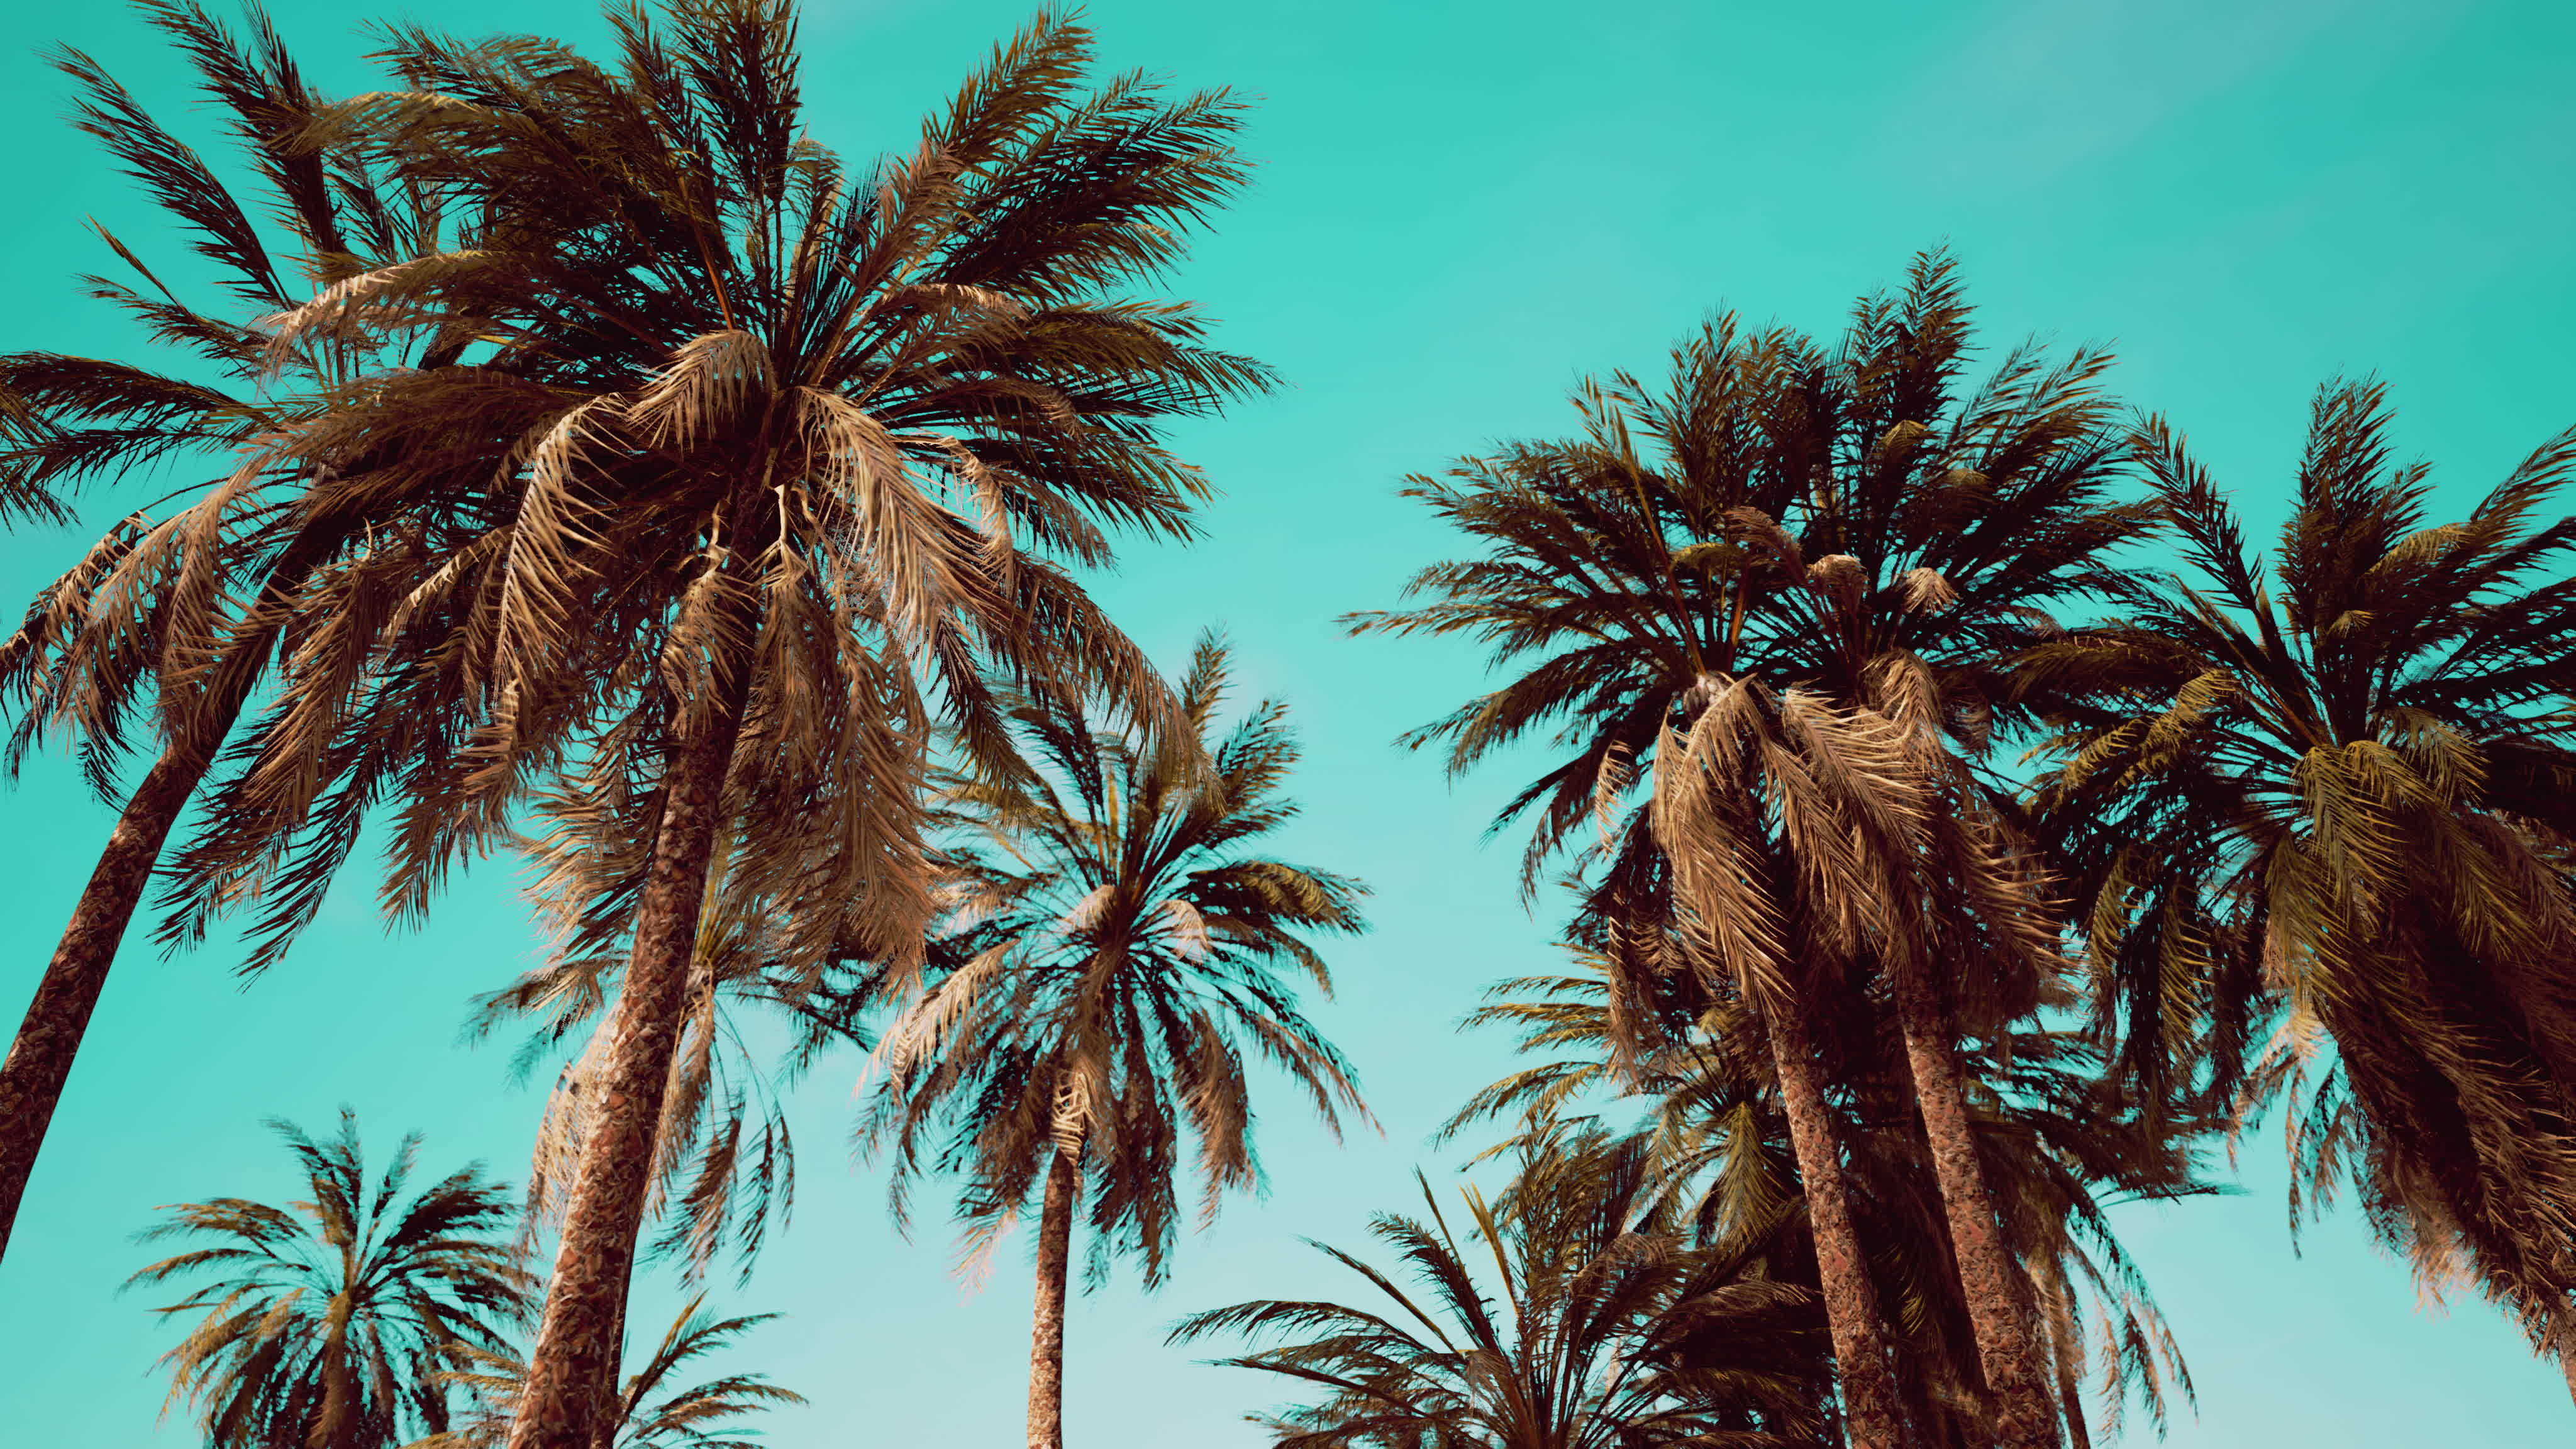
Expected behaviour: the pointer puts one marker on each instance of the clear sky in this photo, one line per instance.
(1461, 207)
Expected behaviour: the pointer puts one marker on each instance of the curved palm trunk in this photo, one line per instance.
(40, 1058)
(2025, 1419)
(577, 1344)
(1055, 1258)
(1851, 1307)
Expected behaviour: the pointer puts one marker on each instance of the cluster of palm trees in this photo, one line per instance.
(593, 467)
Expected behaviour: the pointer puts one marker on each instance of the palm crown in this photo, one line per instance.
(795, 449)
(2342, 786)
(330, 1322)
(1600, 1325)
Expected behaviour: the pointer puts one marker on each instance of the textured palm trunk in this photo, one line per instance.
(577, 1341)
(1046, 1334)
(2024, 1416)
(611, 1414)
(40, 1058)
(1851, 1307)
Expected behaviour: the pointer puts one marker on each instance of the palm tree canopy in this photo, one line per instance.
(2336, 792)
(1777, 511)
(1824, 561)
(825, 439)
(1108, 974)
(151, 601)
(1598, 1327)
(326, 1322)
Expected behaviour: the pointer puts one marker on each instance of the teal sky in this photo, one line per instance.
(1460, 208)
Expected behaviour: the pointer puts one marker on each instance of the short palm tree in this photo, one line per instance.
(1102, 983)
(1600, 1326)
(2337, 792)
(653, 1410)
(797, 453)
(1840, 552)
(186, 607)
(328, 1323)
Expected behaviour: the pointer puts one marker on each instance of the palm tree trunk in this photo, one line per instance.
(1055, 1257)
(1851, 1308)
(40, 1058)
(577, 1342)
(611, 1414)
(2025, 1419)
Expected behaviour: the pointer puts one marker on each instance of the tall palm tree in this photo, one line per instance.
(798, 454)
(327, 1323)
(1612, 1329)
(1804, 536)
(150, 608)
(653, 1410)
(1102, 983)
(2335, 793)
(2058, 1145)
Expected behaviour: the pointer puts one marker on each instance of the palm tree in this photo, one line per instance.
(2336, 793)
(652, 1412)
(2057, 1143)
(1843, 547)
(327, 1323)
(1097, 989)
(1613, 1330)
(798, 454)
(147, 608)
